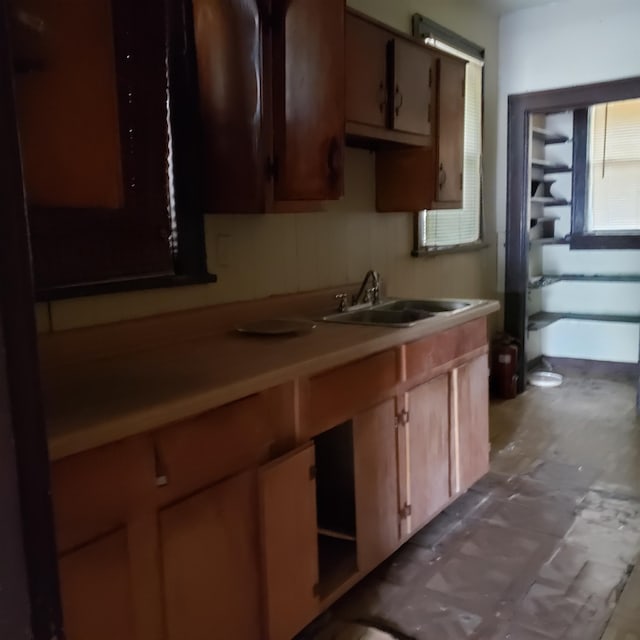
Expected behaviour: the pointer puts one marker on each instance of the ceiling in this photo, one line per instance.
(508, 6)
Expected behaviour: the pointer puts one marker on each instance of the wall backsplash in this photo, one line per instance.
(256, 256)
(261, 255)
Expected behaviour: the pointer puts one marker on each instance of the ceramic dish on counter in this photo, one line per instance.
(277, 327)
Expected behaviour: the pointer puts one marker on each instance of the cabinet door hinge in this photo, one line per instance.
(313, 472)
(402, 418)
(272, 168)
(405, 511)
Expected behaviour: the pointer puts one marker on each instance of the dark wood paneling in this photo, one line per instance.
(517, 231)
(579, 176)
(29, 598)
(229, 46)
(309, 99)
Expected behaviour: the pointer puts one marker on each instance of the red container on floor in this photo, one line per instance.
(504, 366)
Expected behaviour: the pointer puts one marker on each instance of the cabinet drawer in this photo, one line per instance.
(201, 451)
(95, 492)
(337, 395)
(436, 350)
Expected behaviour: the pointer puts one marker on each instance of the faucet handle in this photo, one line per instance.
(342, 297)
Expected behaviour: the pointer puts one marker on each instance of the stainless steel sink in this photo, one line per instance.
(432, 306)
(399, 313)
(380, 316)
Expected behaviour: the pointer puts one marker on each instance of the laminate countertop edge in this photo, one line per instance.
(79, 422)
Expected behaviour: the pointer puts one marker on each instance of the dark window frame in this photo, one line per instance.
(581, 237)
(520, 108)
(148, 242)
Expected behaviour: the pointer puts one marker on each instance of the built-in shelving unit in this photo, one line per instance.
(550, 201)
(549, 137)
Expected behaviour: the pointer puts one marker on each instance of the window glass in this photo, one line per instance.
(614, 167)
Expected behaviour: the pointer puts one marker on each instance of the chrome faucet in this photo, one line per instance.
(371, 293)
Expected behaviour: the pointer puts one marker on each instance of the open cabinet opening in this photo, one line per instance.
(335, 495)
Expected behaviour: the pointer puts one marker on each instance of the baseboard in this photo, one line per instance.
(597, 368)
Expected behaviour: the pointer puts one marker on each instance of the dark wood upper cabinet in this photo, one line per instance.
(94, 89)
(411, 71)
(389, 85)
(430, 177)
(451, 73)
(366, 58)
(272, 102)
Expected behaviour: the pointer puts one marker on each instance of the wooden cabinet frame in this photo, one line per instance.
(256, 461)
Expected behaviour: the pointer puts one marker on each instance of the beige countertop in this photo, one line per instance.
(92, 401)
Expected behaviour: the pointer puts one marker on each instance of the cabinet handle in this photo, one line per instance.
(443, 176)
(398, 95)
(382, 96)
(335, 160)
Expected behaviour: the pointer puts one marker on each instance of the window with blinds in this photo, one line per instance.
(614, 167)
(453, 227)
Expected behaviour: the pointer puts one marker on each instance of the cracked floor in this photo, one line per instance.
(541, 548)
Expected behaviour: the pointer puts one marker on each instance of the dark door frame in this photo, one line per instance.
(29, 592)
(521, 106)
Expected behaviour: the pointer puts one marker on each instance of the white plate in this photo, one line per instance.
(277, 327)
(545, 379)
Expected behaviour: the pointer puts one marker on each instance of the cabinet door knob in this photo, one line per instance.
(443, 176)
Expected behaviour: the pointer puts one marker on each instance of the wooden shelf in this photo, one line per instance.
(550, 201)
(544, 241)
(338, 535)
(549, 137)
(557, 168)
(543, 281)
(337, 562)
(590, 278)
(544, 218)
(543, 319)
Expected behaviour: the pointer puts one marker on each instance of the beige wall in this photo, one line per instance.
(256, 256)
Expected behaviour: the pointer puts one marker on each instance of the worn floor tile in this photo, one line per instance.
(541, 548)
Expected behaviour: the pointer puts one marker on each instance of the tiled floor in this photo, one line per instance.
(540, 549)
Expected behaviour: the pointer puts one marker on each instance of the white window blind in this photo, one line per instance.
(614, 166)
(452, 227)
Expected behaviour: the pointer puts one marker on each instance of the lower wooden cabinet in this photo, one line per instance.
(96, 591)
(210, 559)
(376, 483)
(471, 422)
(258, 555)
(289, 542)
(427, 446)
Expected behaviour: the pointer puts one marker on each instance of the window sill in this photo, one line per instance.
(432, 252)
(605, 241)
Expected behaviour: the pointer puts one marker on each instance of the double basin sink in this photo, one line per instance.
(400, 313)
